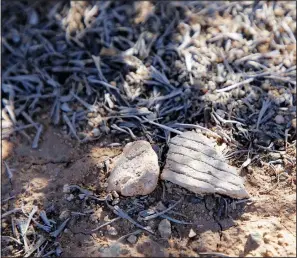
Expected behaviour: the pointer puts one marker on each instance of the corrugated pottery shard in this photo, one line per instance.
(193, 163)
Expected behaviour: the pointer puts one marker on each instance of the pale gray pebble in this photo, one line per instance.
(136, 172)
(66, 188)
(90, 123)
(192, 233)
(132, 239)
(96, 132)
(164, 228)
(81, 196)
(70, 198)
(65, 107)
(115, 194)
(111, 231)
(115, 201)
(221, 113)
(279, 119)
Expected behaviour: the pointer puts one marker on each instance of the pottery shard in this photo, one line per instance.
(193, 163)
(136, 171)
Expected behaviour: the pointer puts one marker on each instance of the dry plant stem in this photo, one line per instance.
(214, 254)
(60, 229)
(266, 104)
(37, 136)
(105, 224)
(176, 220)
(231, 87)
(7, 199)
(10, 212)
(8, 171)
(155, 215)
(136, 232)
(33, 248)
(163, 126)
(34, 210)
(9, 238)
(198, 127)
(118, 211)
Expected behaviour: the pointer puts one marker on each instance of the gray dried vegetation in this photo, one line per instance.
(146, 71)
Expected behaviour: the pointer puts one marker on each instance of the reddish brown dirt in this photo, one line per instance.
(39, 177)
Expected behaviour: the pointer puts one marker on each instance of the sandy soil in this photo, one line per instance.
(264, 227)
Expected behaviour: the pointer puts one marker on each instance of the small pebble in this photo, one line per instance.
(165, 229)
(279, 119)
(279, 11)
(70, 198)
(90, 123)
(115, 201)
(96, 132)
(287, 63)
(66, 188)
(192, 233)
(65, 107)
(254, 240)
(93, 218)
(132, 239)
(275, 155)
(160, 206)
(267, 239)
(81, 196)
(4, 225)
(115, 194)
(221, 113)
(111, 231)
(64, 215)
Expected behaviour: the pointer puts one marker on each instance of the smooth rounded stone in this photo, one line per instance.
(165, 228)
(221, 113)
(96, 132)
(136, 171)
(194, 163)
(279, 119)
(65, 107)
